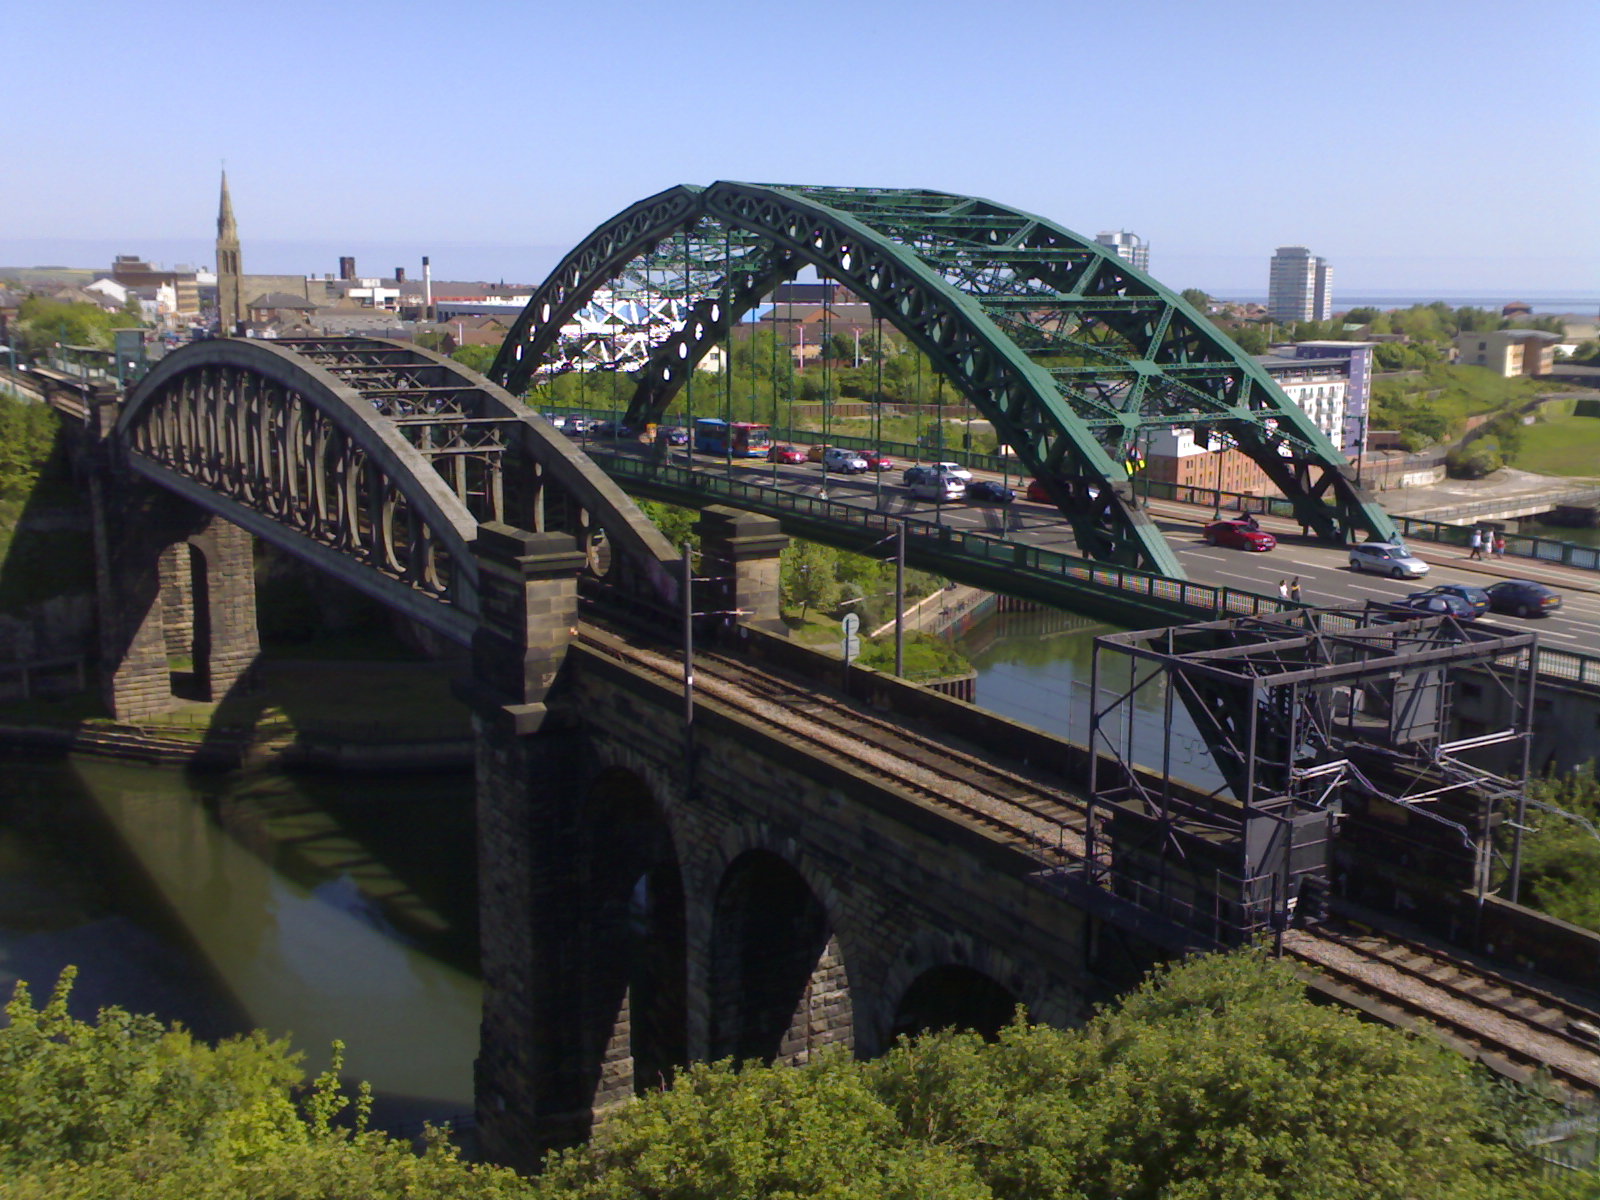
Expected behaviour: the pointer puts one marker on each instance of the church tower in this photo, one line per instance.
(230, 301)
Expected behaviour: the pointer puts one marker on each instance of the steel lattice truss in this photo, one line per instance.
(378, 461)
(615, 331)
(1302, 711)
(1068, 350)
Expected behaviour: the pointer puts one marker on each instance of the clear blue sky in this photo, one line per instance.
(1441, 147)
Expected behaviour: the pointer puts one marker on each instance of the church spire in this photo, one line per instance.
(227, 230)
(230, 283)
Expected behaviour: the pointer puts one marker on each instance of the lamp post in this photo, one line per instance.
(1216, 493)
(1361, 446)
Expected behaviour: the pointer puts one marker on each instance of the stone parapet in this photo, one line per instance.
(742, 550)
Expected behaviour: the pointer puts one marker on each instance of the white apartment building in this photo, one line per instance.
(1130, 247)
(1299, 286)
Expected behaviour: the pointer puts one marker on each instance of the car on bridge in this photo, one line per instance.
(938, 486)
(918, 474)
(1036, 491)
(1475, 596)
(1386, 558)
(877, 460)
(1434, 601)
(846, 462)
(1238, 535)
(1522, 598)
(990, 491)
(676, 435)
(785, 453)
(956, 469)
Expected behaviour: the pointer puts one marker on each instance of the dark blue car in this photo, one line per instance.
(1475, 596)
(1522, 597)
(988, 489)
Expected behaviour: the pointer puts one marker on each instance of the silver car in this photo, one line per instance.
(1387, 558)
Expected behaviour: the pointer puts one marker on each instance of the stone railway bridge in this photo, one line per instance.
(653, 889)
(760, 869)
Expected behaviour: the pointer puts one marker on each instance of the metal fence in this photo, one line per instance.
(1014, 557)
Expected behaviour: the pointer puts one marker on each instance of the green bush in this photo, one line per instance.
(1215, 1080)
(1474, 460)
(123, 1108)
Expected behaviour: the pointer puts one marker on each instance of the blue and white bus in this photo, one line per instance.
(712, 435)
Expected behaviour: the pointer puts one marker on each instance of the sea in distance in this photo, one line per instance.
(1579, 303)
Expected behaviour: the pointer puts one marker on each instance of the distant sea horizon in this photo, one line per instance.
(1551, 304)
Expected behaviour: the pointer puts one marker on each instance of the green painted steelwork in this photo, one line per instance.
(1072, 354)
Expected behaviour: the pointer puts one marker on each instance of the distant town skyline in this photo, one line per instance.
(1241, 281)
(1411, 146)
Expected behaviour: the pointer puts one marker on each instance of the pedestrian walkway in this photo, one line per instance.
(936, 612)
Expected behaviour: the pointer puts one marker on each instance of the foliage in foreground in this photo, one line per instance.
(1215, 1080)
(125, 1109)
(1561, 856)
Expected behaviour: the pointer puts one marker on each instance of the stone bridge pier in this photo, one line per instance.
(653, 895)
(175, 587)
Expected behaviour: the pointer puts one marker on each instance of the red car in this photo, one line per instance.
(877, 460)
(785, 454)
(1237, 536)
(1036, 492)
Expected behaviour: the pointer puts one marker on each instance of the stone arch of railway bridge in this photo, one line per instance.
(652, 898)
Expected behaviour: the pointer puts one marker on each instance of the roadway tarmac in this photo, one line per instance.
(1323, 569)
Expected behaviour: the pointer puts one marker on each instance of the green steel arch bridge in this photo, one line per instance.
(1070, 352)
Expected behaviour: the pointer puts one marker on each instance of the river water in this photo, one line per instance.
(339, 907)
(1035, 667)
(318, 907)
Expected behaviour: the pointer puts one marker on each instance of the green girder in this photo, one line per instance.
(1070, 352)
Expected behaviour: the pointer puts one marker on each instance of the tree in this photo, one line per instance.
(125, 1107)
(808, 576)
(1561, 854)
(1216, 1078)
(1250, 339)
(42, 323)
(926, 656)
(758, 1132)
(676, 523)
(1197, 298)
(478, 358)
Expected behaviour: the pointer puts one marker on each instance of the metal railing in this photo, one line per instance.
(1584, 496)
(1077, 574)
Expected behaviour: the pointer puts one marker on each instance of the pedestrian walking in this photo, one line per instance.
(1499, 545)
(1477, 545)
(1283, 589)
(1294, 590)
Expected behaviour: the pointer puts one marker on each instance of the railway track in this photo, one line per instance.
(1505, 1022)
(1027, 812)
(1510, 1025)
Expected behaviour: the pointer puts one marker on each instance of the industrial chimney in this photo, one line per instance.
(427, 289)
(347, 266)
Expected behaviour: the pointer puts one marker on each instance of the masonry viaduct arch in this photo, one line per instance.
(641, 907)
